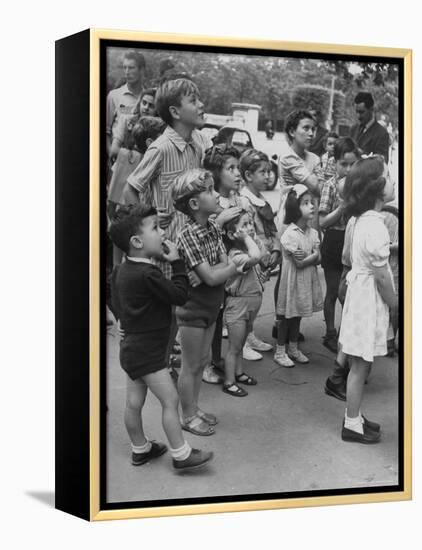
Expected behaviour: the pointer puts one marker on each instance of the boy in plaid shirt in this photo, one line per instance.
(333, 222)
(328, 162)
(201, 246)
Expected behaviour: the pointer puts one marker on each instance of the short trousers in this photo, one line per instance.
(242, 308)
(331, 249)
(202, 307)
(144, 353)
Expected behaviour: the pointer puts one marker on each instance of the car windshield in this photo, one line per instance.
(241, 138)
(209, 131)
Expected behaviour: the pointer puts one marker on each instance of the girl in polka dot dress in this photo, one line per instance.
(370, 289)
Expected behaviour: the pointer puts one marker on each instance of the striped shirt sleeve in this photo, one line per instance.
(146, 172)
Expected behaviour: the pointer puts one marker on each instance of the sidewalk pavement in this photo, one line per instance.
(283, 437)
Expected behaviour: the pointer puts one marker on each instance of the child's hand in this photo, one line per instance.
(228, 214)
(170, 252)
(299, 254)
(194, 280)
(275, 255)
(164, 219)
(120, 331)
(264, 275)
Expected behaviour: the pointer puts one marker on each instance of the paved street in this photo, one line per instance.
(284, 436)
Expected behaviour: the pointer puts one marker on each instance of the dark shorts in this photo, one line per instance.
(202, 308)
(144, 353)
(332, 249)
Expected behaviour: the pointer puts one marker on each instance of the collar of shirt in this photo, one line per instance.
(125, 90)
(297, 228)
(200, 230)
(177, 139)
(367, 126)
(372, 213)
(139, 260)
(227, 202)
(256, 201)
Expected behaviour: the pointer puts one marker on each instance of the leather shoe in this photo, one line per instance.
(373, 426)
(367, 437)
(335, 390)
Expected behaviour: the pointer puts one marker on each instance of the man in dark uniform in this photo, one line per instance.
(370, 136)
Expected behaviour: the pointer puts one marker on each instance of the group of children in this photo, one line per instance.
(197, 243)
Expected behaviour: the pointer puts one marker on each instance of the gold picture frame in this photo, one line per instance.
(91, 508)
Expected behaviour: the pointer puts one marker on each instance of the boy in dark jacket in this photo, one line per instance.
(142, 299)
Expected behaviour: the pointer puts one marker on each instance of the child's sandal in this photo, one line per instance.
(209, 418)
(196, 426)
(233, 389)
(246, 379)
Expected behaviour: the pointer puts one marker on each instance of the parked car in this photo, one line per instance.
(239, 138)
(210, 129)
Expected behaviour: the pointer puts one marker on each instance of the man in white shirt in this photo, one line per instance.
(121, 101)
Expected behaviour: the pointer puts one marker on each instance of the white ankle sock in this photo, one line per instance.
(142, 448)
(182, 452)
(355, 424)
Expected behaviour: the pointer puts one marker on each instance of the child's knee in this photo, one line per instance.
(171, 400)
(134, 403)
(235, 347)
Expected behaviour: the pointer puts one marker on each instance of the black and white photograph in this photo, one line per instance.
(252, 229)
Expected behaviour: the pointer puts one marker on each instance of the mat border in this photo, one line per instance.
(96, 514)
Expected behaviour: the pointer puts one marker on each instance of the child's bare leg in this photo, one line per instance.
(237, 338)
(172, 336)
(208, 336)
(136, 392)
(191, 340)
(355, 384)
(161, 385)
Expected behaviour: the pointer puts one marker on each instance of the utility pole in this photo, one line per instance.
(330, 107)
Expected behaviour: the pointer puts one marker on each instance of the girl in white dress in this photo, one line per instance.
(370, 289)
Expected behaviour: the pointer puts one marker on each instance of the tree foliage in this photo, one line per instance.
(312, 96)
(277, 84)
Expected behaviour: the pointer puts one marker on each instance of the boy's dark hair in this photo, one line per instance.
(127, 222)
(366, 98)
(250, 161)
(147, 127)
(148, 91)
(170, 93)
(293, 119)
(215, 157)
(364, 185)
(136, 56)
(345, 145)
(292, 207)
